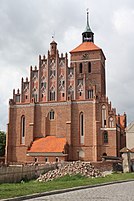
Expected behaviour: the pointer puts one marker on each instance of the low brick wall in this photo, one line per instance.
(108, 165)
(17, 173)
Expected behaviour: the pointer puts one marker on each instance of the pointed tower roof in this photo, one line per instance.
(88, 29)
(88, 35)
(87, 41)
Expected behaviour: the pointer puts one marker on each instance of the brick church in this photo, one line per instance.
(62, 111)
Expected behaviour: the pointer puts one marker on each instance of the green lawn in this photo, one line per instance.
(19, 189)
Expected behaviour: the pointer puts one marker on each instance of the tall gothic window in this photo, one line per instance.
(81, 128)
(103, 116)
(80, 68)
(89, 67)
(105, 137)
(51, 115)
(23, 129)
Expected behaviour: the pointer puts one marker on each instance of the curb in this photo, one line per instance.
(27, 197)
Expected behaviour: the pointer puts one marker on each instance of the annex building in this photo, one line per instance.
(62, 111)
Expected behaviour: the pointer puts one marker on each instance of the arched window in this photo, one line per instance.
(103, 116)
(46, 159)
(57, 159)
(111, 122)
(35, 159)
(82, 128)
(104, 154)
(89, 67)
(51, 115)
(80, 68)
(105, 137)
(23, 129)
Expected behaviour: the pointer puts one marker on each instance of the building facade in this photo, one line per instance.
(62, 112)
(130, 136)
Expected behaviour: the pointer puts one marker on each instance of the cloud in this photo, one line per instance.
(123, 20)
(26, 28)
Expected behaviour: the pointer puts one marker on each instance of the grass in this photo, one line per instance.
(31, 187)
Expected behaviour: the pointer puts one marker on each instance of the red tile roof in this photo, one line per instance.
(49, 144)
(86, 46)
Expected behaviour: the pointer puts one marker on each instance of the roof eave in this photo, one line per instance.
(46, 154)
(75, 51)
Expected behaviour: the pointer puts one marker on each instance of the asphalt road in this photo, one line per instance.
(114, 192)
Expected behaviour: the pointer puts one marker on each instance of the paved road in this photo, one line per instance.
(114, 192)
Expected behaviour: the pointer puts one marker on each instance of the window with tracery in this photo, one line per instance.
(111, 122)
(52, 95)
(90, 93)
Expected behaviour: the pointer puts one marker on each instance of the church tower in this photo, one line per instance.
(88, 61)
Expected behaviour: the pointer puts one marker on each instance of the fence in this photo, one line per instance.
(13, 174)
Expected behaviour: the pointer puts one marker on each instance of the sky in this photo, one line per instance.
(26, 30)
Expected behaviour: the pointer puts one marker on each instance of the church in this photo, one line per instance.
(62, 112)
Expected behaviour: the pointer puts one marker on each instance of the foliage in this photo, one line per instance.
(26, 188)
(2, 143)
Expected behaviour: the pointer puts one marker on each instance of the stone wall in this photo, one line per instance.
(18, 173)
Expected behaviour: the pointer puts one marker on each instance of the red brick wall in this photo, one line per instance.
(67, 112)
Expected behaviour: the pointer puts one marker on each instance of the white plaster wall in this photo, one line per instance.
(130, 136)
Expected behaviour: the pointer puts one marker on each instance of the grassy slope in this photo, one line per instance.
(19, 189)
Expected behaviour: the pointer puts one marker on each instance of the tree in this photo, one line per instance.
(2, 143)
